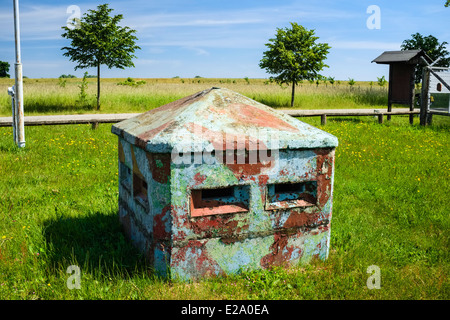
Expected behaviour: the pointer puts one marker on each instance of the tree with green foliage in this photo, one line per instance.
(294, 55)
(131, 82)
(97, 40)
(64, 76)
(4, 69)
(331, 80)
(431, 46)
(447, 4)
(351, 82)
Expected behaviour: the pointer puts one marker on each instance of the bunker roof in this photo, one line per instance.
(219, 118)
(404, 56)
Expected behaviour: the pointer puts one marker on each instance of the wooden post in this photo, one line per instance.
(323, 119)
(94, 125)
(98, 85)
(412, 94)
(293, 93)
(424, 97)
(380, 118)
(390, 92)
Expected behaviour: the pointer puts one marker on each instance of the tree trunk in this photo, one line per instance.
(98, 86)
(293, 93)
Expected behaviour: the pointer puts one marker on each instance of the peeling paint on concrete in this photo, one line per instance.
(160, 130)
(315, 246)
(241, 255)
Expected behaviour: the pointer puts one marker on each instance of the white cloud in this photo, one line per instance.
(36, 23)
(198, 51)
(180, 21)
(259, 16)
(155, 62)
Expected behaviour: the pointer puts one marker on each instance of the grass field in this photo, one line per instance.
(58, 207)
(47, 96)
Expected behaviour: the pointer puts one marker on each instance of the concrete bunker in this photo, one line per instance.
(216, 183)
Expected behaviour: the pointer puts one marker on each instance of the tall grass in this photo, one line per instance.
(51, 96)
(58, 207)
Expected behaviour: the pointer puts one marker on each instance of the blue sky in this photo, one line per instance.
(224, 39)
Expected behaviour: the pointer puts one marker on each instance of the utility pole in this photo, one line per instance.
(18, 119)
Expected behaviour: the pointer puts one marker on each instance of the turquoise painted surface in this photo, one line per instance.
(241, 255)
(315, 245)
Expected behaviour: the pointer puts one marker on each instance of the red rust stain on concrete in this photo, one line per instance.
(325, 163)
(262, 179)
(243, 171)
(159, 165)
(300, 218)
(280, 254)
(196, 252)
(218, 226)
(250, 115)
(199, 178)
(159, 228)
(222, 141)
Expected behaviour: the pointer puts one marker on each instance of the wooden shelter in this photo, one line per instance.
(402, 65)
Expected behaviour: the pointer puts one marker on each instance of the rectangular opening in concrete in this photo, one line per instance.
(223, 200)
(291, 195)
(125, 176)
(140, 189)
(211, 194)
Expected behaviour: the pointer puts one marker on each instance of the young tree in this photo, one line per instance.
(331, 80)
(382, 81)
(432, 48)
(351, 82)
(4, 69)
(97, 40)
(294, 55)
